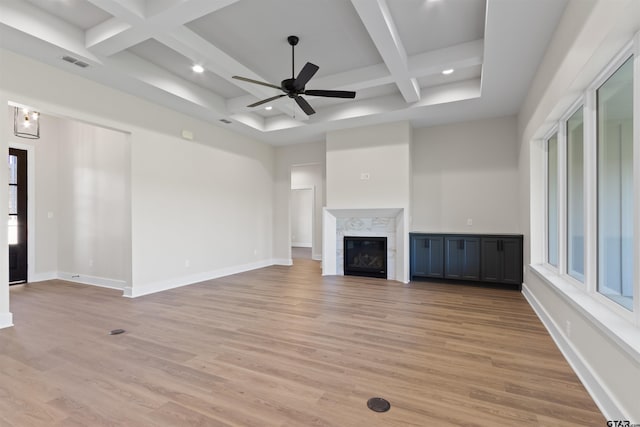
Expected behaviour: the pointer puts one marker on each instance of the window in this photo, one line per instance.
(575, 195)
(552, 200)
(615, 186)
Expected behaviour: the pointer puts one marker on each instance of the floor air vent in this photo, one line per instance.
(378, 404)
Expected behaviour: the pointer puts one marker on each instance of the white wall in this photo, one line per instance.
(94, 203)
(80, 196)
(288, 157)
(466, 171)
(209, 202)
(369, 168)
(312, 176)
(382, 152)
(590, 33)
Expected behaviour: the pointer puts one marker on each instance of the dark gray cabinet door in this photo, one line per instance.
(491, 260)
(427, 256)
(462, 258)
(502, 260)
(511, 261)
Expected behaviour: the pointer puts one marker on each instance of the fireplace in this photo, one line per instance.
(365, 256)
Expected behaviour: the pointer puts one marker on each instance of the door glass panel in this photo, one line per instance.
(615, 186)
(13, 169)
(13, 230)
(13, 199)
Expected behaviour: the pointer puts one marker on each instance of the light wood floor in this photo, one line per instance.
(282, 346)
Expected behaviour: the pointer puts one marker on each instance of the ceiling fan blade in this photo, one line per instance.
(304, 105)
(331, 93)
(264, 101)
(305, 75)
(244, 79)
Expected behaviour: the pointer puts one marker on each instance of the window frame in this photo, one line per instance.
(580, 102)
(587, 99)
(629, 50)
(545, 246)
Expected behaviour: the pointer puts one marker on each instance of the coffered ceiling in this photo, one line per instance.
(391, 52)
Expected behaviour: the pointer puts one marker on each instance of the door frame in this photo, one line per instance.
(31, 202)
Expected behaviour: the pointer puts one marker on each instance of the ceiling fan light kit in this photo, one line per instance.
(295, 86)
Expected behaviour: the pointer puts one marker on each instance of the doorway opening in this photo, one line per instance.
(305, 214)
(302, 206)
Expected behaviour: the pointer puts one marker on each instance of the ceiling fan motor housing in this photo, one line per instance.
(289, 88)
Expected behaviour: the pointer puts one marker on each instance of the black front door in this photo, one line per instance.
(17, 216)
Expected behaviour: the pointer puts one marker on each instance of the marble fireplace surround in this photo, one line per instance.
(384, 222)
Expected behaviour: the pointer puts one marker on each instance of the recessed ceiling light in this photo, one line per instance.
(447, 71)
(268, 108)
(197, 68)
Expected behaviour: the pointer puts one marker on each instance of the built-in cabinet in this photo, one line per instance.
(494, 258)
(462, 257)
(429, 252)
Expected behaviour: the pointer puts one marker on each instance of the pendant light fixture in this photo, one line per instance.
(26, 123)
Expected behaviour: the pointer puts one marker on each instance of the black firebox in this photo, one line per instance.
(365, 256)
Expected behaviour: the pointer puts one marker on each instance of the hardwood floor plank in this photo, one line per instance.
(284, 346)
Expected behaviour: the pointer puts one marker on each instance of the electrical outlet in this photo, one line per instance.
(365, 176)
(469, 221)
(187, 263)
(90, 263)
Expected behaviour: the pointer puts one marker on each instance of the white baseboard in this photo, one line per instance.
(164, 285)
(598, 391)
(282, 261)
(41, 277)
(316, 257)
(103, 282)
(301, 244)
(6, 320)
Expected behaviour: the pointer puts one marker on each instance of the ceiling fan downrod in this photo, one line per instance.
(293, 41)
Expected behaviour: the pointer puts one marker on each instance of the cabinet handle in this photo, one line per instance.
(426, 243)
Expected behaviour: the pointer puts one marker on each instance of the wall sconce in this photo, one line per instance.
(26, 123)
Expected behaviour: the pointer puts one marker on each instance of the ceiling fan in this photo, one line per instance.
(295, 86)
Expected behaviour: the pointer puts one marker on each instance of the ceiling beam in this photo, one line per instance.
(133, 23)
(29, 19)
(377, 20)
(144, 71)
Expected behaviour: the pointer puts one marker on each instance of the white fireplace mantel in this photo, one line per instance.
(382, 222)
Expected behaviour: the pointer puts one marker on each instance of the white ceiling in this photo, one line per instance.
(391, 52)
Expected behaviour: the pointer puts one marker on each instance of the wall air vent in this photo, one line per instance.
(75, 61)
(225, 121)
